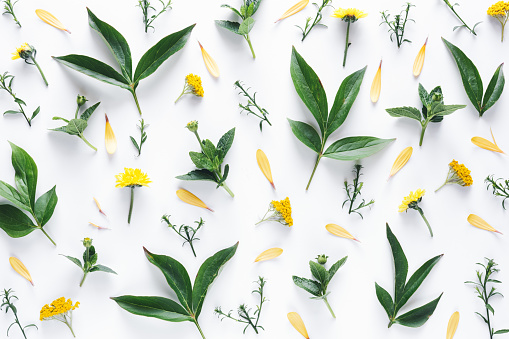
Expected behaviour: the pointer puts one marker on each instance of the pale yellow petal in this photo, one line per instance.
(376, 86)
(453, 325)
(191, 199)
(401, 160)
(419, 59)
(209, 62)
(339, 231)
(97, 226)
(50, 19)
(109, 138)
(299, 6)
(478, 222)
(269, 254)
(486, 144)
(263, 163)
(298, 324)
(99, 207)
(20, 268)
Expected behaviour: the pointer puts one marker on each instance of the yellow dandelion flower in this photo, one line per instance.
(412, 201)
(500, 11)
(349, 14)
(22, 52)
(458, 174)
(192, 85)
(60, 309)
(132, 178)
(282, 212)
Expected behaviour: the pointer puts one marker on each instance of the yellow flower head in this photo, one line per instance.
(59, 306)
(132, 177)
(411, 200)
(461, 174)
(283, 211)
(194, 81)
(23, 52)
(349, 14)
(500, 8)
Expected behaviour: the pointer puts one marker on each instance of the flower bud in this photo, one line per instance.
(80, 100)
(437, 97)
(192, 126)
(322, 259)
(87, 242)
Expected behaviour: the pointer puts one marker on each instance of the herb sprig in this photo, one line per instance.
(397, 25)
(7, 301)
(188, 233)
(353, 190)
(6, 80)
(244, 311)
(143, 136)
(316, 22)
(251, 104)
(457, 15)
(499, 186)
(148, 19)
(9, 9)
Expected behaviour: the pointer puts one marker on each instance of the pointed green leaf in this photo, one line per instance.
(11, 194)
(234, 10)
(385, 300)
(246, 26)
(255, 4)
(334, 268)
(14, 222)
(232, 26)
(424, 96)
(441, 110)
(102, 268)
(74, 260)
(408, 112)
(494, 90)
(319, 273)
(35, 113)
(418, 317)
(208, 148)
(25, 173)
(355, 148)
(400, 265)
(308, 285)
(201, 174)
(45, 206)
(306, 134)
(155, 307)
(201, 161)
(225, 143)
(501, 331)
(89, 111)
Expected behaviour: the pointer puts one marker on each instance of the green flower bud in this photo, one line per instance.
(81, 100)
(87, 242)
(322, 259)
(192, 126)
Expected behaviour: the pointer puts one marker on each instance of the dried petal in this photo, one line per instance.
(298, 324)
(20, 269)
(109, 138)
(209, 62)
(191, 199)
(339, 231)
(50, 19)
(271, 253)
(401, 161)
(299, 6)
(453, 325)
(419, 60)
(99, 207)
(263, 163)
(99, 227)
(376, 86)
(478, 222)
(486, 144)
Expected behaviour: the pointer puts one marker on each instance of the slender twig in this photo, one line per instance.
(353, 190)
(308, 27)
(187, 233)
(7, 301)
(148, 19)
(9, 9)
(251, 102)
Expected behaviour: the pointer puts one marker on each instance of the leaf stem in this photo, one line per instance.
(40, 70)
(347, 44)
(47, 235)
(250, 45)
(314, 169)
(223, 185)
(423, 130)
(199, 328)
(425, 220)
(136, 100)
(131, 205)
(83, 279)
(452, 9)
(328, 306)
(88, 143)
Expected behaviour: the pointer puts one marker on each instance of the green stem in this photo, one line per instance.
(181, 94)
(199, 328)
(250, 46)
(422, 132)
(445, 183)
(40, 70)
(77, 111)
(227, 188)
(328, 306)
(346, 43)
(314, 169)
(136, 100)
(86, 142)
(70, 327)
(452, 9)
(20, 327)
(83, 279)
(46, 234)
(425, 220)
(131, 205)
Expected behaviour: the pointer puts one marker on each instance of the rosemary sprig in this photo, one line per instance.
(464, 24)
(6, 84)
(482, 288)
(500, 187)
(188, 233)
(143, 136)
(353, 190)
(316, 22)
(146, 6)
(244, 312)
(251, 103)
(7, 301)
(9, 9)
(397, 26)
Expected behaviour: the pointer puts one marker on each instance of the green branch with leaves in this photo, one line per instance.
(398, 24)
(9, 9)
(252, 104)
(353, 190)
(471, 30)
(7, 301)
(146, 7)
(6, 80)
(318, 18)
(188, 233)
(500, 187)
(143, 136)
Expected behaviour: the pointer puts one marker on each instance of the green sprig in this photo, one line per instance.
(143, 136)
(353, 190)
(471, 30)
(251, 104)
(316, 22)
(499, 186)
(7, 301)
(148, 19)
(6, 80)
(186, 232)
(9, 9)
(397, 25)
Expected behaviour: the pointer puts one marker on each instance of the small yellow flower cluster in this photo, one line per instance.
(21, 51)
(349, 14)
(412, 197)
(195, 82)
(462, 173)
(58, 306)
(499, 9)
(284, 208)
(132, 177)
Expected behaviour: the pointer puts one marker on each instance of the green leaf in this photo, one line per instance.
(11, 194)
(208, 149)
(345, 97)
(418, 317)
(494, 90)
(408, 112)
(115, 42)
(176, 276)
(201, 161)
(25, 175)
(232, 26)
(255, 4)
(355, 148)
(424, 96)
(14, 222)
(334, 268)
(234, 10)
(385, 300)
(201, 174)
(469, 75)
(74, 127)
(45, 206)
(155, 307)
(207, 274)
(225, 143)
(309, 88)
(160, 52)
(12, 112)
(246, 26)
(416, 280)
(74, 260)
(306, 134)
(319, 273)
(441, 110)
(400, 265)
(501, 331)
(34, 114)
(94, 68)
(89, 111)
(308, 285)
(102, 268)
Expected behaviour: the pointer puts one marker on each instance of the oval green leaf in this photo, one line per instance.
(14, 222)
(306, 134)
(355, 148)
(155, 307)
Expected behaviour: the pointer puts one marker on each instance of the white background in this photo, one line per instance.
(81, 174)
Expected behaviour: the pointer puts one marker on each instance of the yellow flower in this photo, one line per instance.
(349, 14)
(22, 52)
(458, 174)
(59, 306)
(192, 86)
(132, 177)
(282, 212)
(411, 199)
(500, 11)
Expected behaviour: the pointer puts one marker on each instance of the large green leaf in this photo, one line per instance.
(385, 300)
(102, 268)
(176, 276)
(201, 174)
(160, 52)
(441, 110)
(337, 265)
(494, 90)
(309, 88)
(355, 148)
(225, 143)
(74, 127)
(201, 161)
(74, 260)
(418, 317)
(408, 112)
(234, 10)
(232, 26)
(45, 206)
(306, 134)
(94, 68)
(14, 222)
(246, 26)
(207, 274)
(319, 273)
(89, 111)
(25, 175)
(11, 194)
(400, 265)
(116, 43)
(416, 280)
(155, 307)
(345, 97)
(308, 285)
(469, 75)
(255, 3)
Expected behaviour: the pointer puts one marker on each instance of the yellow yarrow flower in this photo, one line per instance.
(458, 174)
(60, 309)
(132, 177)
(349, 14)
(192, 85)
(500, 11)
(412, 201)
(282, 212)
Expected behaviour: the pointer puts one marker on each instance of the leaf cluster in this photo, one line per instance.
(7, 301)
(12, 218)
(244, 312)
(6, 84)
(318, 287)
(472, 81)
(251, 104)
(146, 6)
(397, 25)
(316, 22)
(188, 233)
(190, 297)
(143, 136)
(353, 190)
(118, 45)
(9, 9)
(404, 289)
(499, 186)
